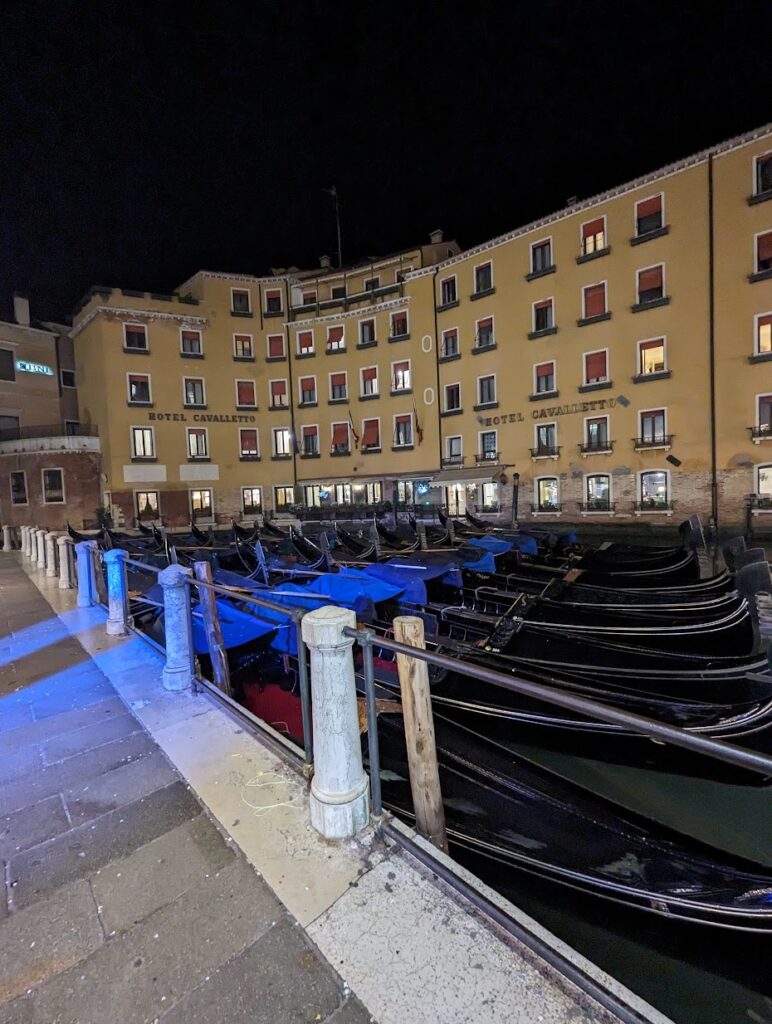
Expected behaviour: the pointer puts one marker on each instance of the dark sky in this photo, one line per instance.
(141, 141)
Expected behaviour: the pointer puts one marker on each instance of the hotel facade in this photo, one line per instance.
(611, 362)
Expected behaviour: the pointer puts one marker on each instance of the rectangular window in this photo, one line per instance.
(308, 390)
(305, 343)
(338, 387)
(367, 332)
(764, 334)
(240, 301)
(251, 501)
(403, 431)
(489, 445)
(405, 492)
(373, 493)
(242, 346)
(594, 300)
(370, 380)
(193, 390)
(7, 365)
(68, 378)
(146, 504)
(546, 438)
(764, 252)
(338, 291)
(654, 489)
(276, 346)
(398, 325)
(597, 432)
(135, 337)
(340, 439)
(201, 503)
(335, 339)
(282, 442)
(653, 426)
(483, 278)
(543, 315)
(191, 344)
(541, 256)
(198, 443)
(598, 492)
(273, 301)
(453, 446)
(765, 413)
(342, 494)
(139, 388)
(764, 173)
(53, 486)
(18, 487)
(488, 497)
(452, 397)
(284, 498)
(651, 356)
(595, 367)
(484, 333)
(312, 495)
(142, 443)
(309, 298)
(278, 393)
(246, 397)
(248, 443)
(372, 284)
(310, 440)
(448, 293)
(648, 215)
(449, 343)
(593, 236)
(548, 494)
(371, 434)
(651, 284)
(400, 376)
(72, 428)
(545, 378)
(486, 390)
(764, 486)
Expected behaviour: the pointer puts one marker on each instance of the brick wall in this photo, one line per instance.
(81, 489)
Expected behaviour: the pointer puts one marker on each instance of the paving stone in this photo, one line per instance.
(32, 825)
(90, 736)
(279, 978)
(73, 771)
(152, 966)
(20, 1011)
(39, 731)
(47, 938)
(352, 1012)
(80, 695)
(21, 762)
(120, 787)
(13, 718)
(82, 851)
(130, 889)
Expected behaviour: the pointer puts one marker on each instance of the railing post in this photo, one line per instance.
(7, 538)
(217, 653)
(419, 733)
(65, 546)
(40, 544)
(86, 582)
(117, 593)
(178, 673)
(339, 798)
(50, 543)
(23, 531)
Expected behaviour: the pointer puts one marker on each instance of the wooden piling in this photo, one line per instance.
(208, 602)
(419, 733)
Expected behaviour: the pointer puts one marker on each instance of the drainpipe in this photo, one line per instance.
(712, 345)
(437, 368)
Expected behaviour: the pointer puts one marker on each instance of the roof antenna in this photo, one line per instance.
(333, 191)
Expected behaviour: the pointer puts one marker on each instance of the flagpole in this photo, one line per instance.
(333, 191)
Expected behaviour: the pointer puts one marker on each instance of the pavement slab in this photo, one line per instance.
(32, 825)
(42, 729)
(119, 787)
(89, 736)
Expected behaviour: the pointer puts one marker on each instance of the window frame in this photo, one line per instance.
(586, 382)
(454, 437)
(642, 270)
(133, 402)
(492, 401)
(340, 346)
(541, 303)
(480, 448)
(11, 474)
(302, 353)
(603, 247)
(192, 330)
(595, 284)
(278, 507)
(376, 447)
(404, 334)
(268, 295)
(757, 160)
(377, 382)
(554, 375)
(492, 344)
(445, 389)
(62, 372)
(273, 406)
(393, 381)
(268, 356)
(193, 405)
(301, 391)
(585, 492)
(665, 430)
(457, 353)
(360, 324)
(201, 518)
(52, 469)
(402, 416)
(145, 490)
(136, 326)
(243, 335)
(132, 447)
(445, 303)
(586, 429)
(533, 269)
(197, 431)
(340, 398)
(663, 218)
(246, 380)
(757, 406)
(548, 510)
(275, 431)
(244, 512)
(333, 425)
(641, 473)
(248, 456)
(475, 269)
(756, 237)
(639, 356)
(302, 441)
(241, 312)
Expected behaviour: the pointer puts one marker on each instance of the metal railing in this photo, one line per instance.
(658, 441)
(546, 451)
(63, 429)
(596, 447)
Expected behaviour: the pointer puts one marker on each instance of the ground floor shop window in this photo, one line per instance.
(342, 494)
(405, 492)
(53, 486)
(147, 504)
(598, 492)
(548, 494)
(654, 490)
(284, 498)
(251, 501)
(368, 494)
(19, 488)
(201, 504)
(313, 495)
(488, 498)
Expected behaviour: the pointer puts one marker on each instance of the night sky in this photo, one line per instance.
(143, 141)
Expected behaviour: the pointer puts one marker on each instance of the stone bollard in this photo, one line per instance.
(50, 542)
(24, 541)
(7, 538)
(117, 593)
(178, 673)
(40, 543)
(339, 800)
(65, 546)
(86, 581)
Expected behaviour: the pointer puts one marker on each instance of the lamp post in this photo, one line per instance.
(515, 496)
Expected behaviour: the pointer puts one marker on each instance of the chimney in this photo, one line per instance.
(325, 262)
(21, 310)
(435, 237)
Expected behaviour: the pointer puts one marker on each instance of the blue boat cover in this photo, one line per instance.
(496, 545)
(238, 627)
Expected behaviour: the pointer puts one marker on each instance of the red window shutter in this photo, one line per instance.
(401, 367)
(546, 304)
(595, 364)
(765, 246)
(370, 432)
(648, 345)
(334, 335)
(403, 419)
(308, 298)
(273, 294)
(340, 433)
(338, 380)
(649, 206)
(190, 335)
(594, 300)
(278, 387)
(306, 383)
(246, 392)
(305, 341)
(370, 373)
(275, 346)
(594, 227)
(249, 440)
(545, 369)
(649, 279)
(484, 325)
(309, 431)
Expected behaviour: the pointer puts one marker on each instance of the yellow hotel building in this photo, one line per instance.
(608, 362)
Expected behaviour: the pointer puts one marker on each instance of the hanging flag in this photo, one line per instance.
(419, 430)
(295, 445)
(353, 430)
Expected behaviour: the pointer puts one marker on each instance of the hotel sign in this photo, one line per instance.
(201, 417)
(549, 411)
(24, 367)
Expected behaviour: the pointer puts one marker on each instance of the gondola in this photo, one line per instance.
(79, 537)
(241, 533)
(509, 810)
(392, 540)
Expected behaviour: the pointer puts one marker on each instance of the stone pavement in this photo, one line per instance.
(122, 901)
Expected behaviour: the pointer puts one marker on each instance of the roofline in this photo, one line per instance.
(136, 314)
(350, 314)
(664, 172)
(27, 327)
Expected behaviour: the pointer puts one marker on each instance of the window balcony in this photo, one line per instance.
(641, 378)
(647, 236)
(761, 433)
(597, 507)
(547, 510)
(653, 303)
(596, 448)
(339, 450)
(310, 454)
(760, 503)
(482, 457)
(595, 385)
(249, 457)
(546, 451)
(642, 444)
(653, 505)
(453, 460)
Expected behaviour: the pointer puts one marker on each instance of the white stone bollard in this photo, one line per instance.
(24, 540)
(178, 673)
(64, 543)
(7, 538)
(86, 581)
(117, 593)
(50, 542)
(40, 543)
(339, 800)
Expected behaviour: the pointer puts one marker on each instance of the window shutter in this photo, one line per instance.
(334, 335)
(249, 440)
(485, 325)
(594, 300)
(765, 246)
(595, 365)
(305, 341)
(245, 392)
(546, 304)
(278, 388)
(646, 346)
(275, 346)
(340, 433)
(370, 433)
(338, 380)
(370, 373)
(650, 279)
(594, 227)
(309, 431)
(545, 370)
(273, 294)
(401, 367)
(649, 206)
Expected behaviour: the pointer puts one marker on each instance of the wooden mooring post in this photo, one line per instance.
(208, 602)
(419, 733)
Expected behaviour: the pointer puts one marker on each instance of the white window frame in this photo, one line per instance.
(51, 469)
(645, 199)
(290, 446)
(593, 352)
(305, 352)
(330, 375)
(233, 309)
(145, 490)
(757, 317)
(245, 380)
(475, 268)
(539, 302)
(301, 439)
(256, 429)
(535, 245)
(368, 419)
(342, 346)
(377, 391)
(392, 388)
(546, 512)
(595, 284)
(454, 279)
(638, 354)
(639, 491)
(133, 348)
(202, 519)
(259, 489)
(640, 271)
(268, 346)
(756, 237)
(401, 415)
(445, 387)
(589, 220)
(265, 292)
(129, 399)
(399, 312)
(450, 330)
(367, 320)
(757, 484)
(757, 405)
(554, 374)
(18, 504)
(585, 433)
(141, 426)
(301, 403)
(338, 423)
(666, 431)
(480, 449)
(539, 426)
(62, 371)
(197, 458)
(192, 330)
(495, 399)
(282, 487)
(454, 437)
(585, 497)
(277, 380)
(477, 323)
(243, 334)
(194, 405)
(755, 168)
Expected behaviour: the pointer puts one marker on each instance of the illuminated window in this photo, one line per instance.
(198, 443)
(139, 388)
(251, 501)
(193, 388)
(764, 334)
(651, 356)
(146, 504)
(278, 393)
(142, 443)
(593, 236)
(369, 381)
(242, 346)
(548, 494)
(284, 498)
(201, 503)
(654, 489)
(400, 376)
